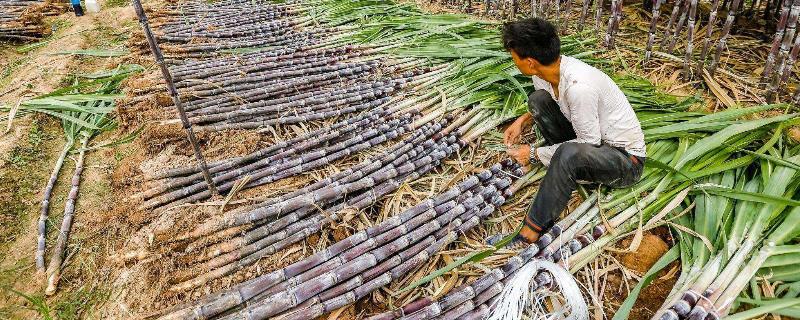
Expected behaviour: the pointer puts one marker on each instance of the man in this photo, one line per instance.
(590, 130)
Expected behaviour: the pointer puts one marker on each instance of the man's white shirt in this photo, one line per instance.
(596, 107)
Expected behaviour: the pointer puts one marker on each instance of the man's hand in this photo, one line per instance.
(513, 133)
(520, 153)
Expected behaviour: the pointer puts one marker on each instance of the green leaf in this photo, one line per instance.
(772, 306)
(748, 196)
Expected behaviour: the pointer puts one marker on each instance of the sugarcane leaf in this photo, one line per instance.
(748, 196)
(717, 139)
(773, 306)
(775, 159)
(625, 309)
(653, 163)
(66, 117)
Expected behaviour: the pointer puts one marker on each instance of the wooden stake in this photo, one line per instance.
(151, 41)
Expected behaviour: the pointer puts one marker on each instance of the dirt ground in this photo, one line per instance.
(99, 283)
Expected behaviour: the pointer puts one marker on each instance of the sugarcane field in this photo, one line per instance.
(397, 159)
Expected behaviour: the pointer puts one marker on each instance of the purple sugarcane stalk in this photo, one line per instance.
(676, 9)
(54, 267)
(584, 13)
(726, 30)
(598, 15)
(712, 19)
(784, 72)
(651, 35)
(776, 43)
(687, 59)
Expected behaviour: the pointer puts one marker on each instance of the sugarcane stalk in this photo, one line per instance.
(174, 94)
(598, 15)
(371, 260)
(651, 35)
(673, 17)
(687, 59)
(347, 249)
(783, 75)
(584, 13)
(679, 26)
(726, 29)
(613, 22)
(45, 205)
(780, 28)
(56, 259)
(270, 244)
(712, 19)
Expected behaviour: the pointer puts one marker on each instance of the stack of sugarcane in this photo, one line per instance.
(363, 262)
(196, 29)
(23, 19)
(265, 88)
(20, 20)
(279, 222)
(580, 236)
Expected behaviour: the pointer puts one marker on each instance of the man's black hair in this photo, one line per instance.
(533, 38)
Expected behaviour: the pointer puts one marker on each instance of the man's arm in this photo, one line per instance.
(514, 131)
(583, 103)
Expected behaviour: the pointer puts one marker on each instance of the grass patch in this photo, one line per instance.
(117, 3)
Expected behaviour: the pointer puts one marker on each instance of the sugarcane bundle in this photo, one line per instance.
(21, 20)
(365, 261)
(415, 155)
(578, 238)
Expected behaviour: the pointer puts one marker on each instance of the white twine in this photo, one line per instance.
(518, 297)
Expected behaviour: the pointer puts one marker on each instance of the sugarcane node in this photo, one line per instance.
(681, 308)
(598, 231)
(690, 297)
(713, 315)
(697, 313)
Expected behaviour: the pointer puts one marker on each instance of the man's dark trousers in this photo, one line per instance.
(572, 162)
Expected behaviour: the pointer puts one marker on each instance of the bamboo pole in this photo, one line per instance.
(174, 93)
